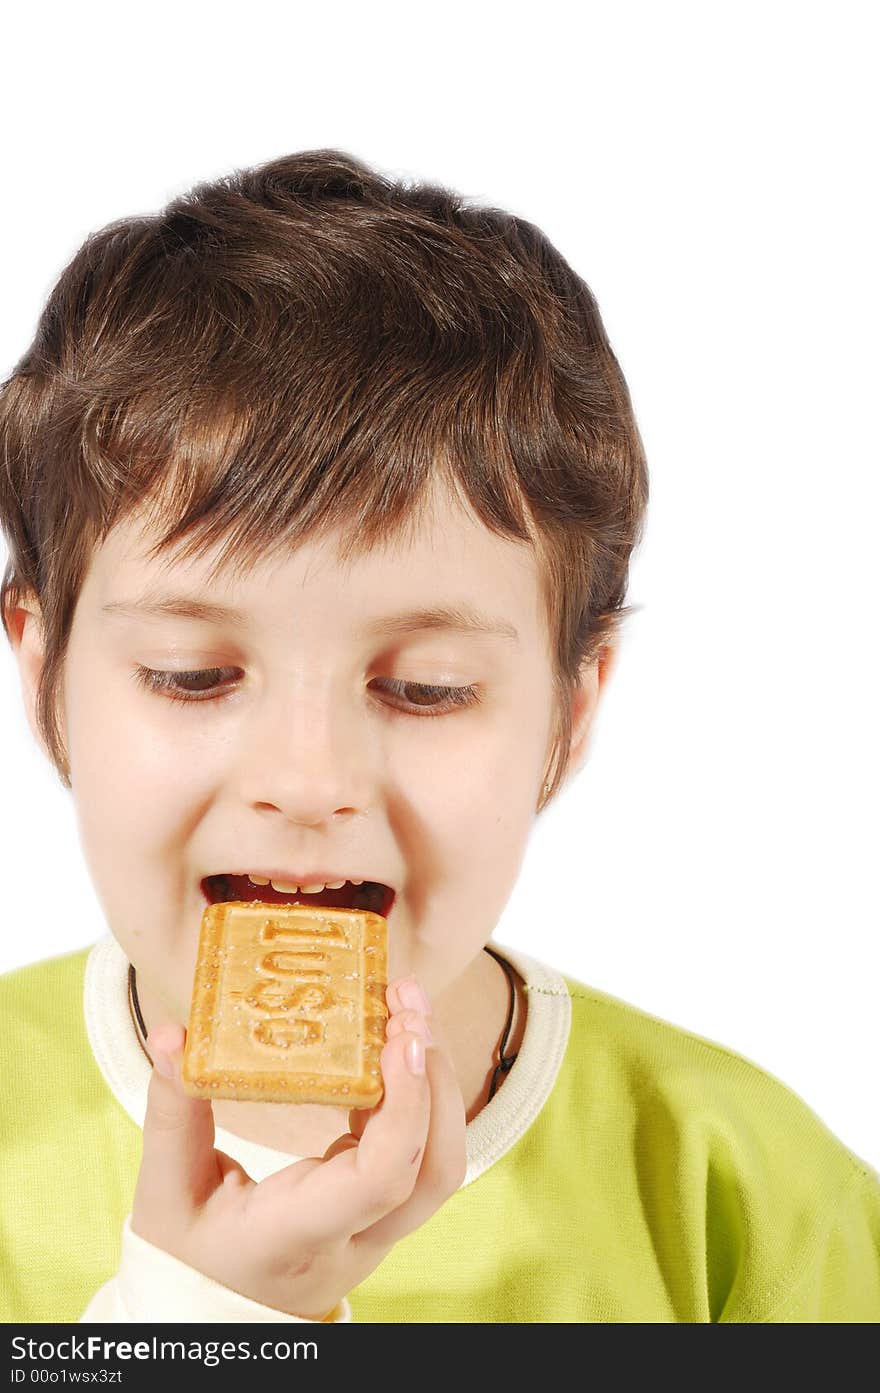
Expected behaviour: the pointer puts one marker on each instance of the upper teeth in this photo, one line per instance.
(287, 889)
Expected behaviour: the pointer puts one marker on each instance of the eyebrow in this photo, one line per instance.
(460, 618)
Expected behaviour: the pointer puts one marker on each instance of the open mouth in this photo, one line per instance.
(220, 889)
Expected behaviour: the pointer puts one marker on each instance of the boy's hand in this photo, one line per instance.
(301, 1239)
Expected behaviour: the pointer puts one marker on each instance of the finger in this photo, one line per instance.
(179, 1168)
(361, 1183)
(403, 1114)
(409, 1020)
(407, 993)
(401, 1018)
(443, 1164)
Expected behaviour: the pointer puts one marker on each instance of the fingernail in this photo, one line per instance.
(415, 1055)
(413, 997)
(163, 1064)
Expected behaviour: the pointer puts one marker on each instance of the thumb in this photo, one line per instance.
(179, 1169)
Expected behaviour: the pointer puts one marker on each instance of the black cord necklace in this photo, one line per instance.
(505, 1062)
(134, 1007)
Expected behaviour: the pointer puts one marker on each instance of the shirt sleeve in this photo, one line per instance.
(840, 1281)
(152, 1285)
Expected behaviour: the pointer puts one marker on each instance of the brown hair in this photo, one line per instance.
(308, 344)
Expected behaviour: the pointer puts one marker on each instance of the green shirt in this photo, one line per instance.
(665, 1178)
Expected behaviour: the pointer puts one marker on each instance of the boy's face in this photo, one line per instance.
(313, 751)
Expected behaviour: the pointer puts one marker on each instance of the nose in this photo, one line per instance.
(308, 756)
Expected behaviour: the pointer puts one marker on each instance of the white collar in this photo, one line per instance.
(492, 1132)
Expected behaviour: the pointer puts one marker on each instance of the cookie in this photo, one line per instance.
(288, 1005)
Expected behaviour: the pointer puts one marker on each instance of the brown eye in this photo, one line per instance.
(197, 685)
(420, 698)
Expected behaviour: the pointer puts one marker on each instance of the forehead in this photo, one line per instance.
(444, 555)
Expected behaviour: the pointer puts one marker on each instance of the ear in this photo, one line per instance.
(24, 622)
(585, 702)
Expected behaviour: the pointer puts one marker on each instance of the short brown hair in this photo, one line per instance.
(307, 344)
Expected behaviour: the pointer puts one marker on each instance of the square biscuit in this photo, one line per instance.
(288, 1005)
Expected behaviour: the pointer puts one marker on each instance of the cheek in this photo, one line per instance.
(133, 785)
(477, 814)
(136, 794)
(497, 776)
(494, 755)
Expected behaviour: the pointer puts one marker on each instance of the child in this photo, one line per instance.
(320, 492)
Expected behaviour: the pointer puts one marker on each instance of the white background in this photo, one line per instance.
(710, 171)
